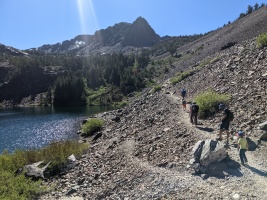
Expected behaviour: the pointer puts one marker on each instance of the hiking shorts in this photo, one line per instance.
(224, 125)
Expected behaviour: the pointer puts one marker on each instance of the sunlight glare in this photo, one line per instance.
(87, 16)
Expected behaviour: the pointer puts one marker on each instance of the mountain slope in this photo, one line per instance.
(245, 28)
(144, 154)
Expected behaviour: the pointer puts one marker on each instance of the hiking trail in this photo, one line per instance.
(253, 176)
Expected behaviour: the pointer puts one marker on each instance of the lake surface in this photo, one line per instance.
(35, 127)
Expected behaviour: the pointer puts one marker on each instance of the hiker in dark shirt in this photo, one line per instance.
(193, 113)
(183, 93)
(226, 119)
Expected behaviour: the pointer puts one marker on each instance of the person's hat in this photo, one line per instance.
(194, 102)
(240, 133)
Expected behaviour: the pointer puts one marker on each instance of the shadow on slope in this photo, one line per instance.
(257, 171)
(226, 168)
(207, 129)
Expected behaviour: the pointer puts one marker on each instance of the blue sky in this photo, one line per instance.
(33, 23)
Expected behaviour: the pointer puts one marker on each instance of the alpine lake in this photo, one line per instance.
(27, 128)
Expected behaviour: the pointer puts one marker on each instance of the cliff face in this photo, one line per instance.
(25, 84)
(5, 70)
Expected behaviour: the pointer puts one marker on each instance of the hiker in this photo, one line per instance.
(193, 112)
(183, 93)
(226, 119)
(242, 147)
(184, 104)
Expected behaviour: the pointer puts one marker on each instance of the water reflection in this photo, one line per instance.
(35, 127)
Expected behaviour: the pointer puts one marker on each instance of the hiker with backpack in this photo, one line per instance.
(193, 112)
(226, 119)
(183, 93)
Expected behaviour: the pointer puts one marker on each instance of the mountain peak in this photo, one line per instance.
(140, 34)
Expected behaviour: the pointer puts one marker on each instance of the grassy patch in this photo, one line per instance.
(120, 104)
(208, 102)
(104, 96)
(202, 64)
(20, 187)
(261, 40)
(156, 88)
(200, 48)
(91, 126)
(181, 76)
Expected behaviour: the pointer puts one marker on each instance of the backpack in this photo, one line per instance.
(230, 116)
(183, 91)
(195, 108)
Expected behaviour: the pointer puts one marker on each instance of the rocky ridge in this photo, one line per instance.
(120, 38)
(145, 154)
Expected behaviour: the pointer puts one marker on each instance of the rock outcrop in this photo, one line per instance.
(206, 152)
(34, 171)
(263, 131)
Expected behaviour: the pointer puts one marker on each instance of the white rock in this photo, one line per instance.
(236, 196)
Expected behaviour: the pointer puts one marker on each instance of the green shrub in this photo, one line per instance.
(261, 40)
(92, 126)
(20, 187)
(208, 102)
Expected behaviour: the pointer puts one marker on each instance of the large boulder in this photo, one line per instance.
(212, 151)
(71, 162)
(206, 152)
(263, 126)
(33, 170)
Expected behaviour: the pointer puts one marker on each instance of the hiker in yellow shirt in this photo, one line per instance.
(242, 147)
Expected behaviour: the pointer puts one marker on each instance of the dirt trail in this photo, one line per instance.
(252, 181)
(183, 116)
